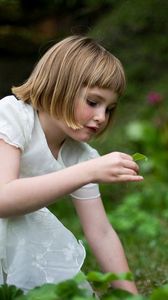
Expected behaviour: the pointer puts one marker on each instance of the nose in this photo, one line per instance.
(100, 116)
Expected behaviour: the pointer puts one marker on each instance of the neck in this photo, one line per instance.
(53, 133)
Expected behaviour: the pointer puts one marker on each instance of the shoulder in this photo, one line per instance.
(13, 105)
(74, 152)
(9, 101)
(16, 118)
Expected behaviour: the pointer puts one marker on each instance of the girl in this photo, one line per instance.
(69, 98)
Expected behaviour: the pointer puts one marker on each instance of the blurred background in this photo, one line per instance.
(136, 32)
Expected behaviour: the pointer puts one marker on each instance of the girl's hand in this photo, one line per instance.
(115, 167)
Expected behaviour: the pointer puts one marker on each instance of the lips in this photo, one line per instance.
(92, 129)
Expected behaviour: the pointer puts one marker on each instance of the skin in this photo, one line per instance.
(23, 195)
(92, 113)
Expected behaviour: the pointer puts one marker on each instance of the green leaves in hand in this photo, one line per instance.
(139, 156)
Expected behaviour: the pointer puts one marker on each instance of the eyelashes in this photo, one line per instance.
(91, 103)
(94, 103)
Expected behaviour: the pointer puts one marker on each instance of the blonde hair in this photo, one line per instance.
(69, 65)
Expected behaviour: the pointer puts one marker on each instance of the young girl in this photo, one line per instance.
(69, 98)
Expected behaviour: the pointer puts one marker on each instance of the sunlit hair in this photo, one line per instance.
(69, 65)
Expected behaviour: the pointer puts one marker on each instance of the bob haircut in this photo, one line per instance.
(69, 65)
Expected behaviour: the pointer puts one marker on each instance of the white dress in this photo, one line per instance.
(37, 248)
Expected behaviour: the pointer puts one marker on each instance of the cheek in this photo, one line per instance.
(83, 113)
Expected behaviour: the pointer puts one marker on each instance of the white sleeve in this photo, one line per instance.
(14, 124)
(91, 190)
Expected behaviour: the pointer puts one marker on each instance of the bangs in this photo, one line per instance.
(106, 72)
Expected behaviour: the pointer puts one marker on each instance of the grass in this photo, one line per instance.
(149, 262)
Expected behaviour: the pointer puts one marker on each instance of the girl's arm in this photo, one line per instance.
(23, 195)
(19, 196)
(103, 240)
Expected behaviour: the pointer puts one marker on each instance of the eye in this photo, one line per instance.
(91, 103)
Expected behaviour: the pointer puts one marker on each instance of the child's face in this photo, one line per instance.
(92, 111)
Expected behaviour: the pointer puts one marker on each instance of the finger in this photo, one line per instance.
(129, 178)
(127, 171)
(131, 165)
(126, 156)
(122, 155)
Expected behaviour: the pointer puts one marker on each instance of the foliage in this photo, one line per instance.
(9, 292)
(135, 32)
(141, 215)
(129, 216)
(73, 290)
(69, 289)
(148, 134)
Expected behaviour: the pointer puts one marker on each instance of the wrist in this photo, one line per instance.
(89, 171)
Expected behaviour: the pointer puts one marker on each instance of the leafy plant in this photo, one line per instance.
(71, 290)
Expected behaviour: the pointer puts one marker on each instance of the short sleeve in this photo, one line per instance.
(76, 152)
(14, 122)
(89, 191)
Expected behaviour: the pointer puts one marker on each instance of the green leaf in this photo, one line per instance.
(139, 156)
(102, 280)
(80, 277)
(108, 277)
(47, 291)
